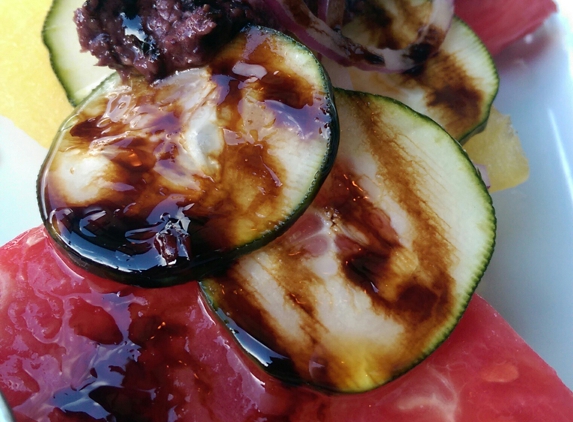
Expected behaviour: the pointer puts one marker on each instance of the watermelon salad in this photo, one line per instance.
(77, 347)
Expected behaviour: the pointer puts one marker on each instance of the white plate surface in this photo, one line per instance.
(530, 279)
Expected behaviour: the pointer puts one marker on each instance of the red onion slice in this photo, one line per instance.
(297, 18)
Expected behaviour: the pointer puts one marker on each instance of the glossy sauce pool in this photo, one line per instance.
(168, 181)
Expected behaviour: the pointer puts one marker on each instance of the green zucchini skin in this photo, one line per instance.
(160, 184)
(377, 272)
(456, 87)
(77, 71)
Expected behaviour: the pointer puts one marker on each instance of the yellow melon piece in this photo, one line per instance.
(31, 95)
(499, 149)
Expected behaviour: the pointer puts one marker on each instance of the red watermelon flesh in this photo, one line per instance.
(74, 347)
(501, 22)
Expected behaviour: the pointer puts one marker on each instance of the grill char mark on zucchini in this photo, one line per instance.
(455, 87)
(378, 270)
(160, 184)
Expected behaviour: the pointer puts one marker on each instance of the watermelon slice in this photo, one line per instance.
(74, 347)
(501, 22)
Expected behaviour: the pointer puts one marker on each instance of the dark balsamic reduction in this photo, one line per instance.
(274, 363)
(366, 263)
(448, 90)
(361, 263)
(147, 232)
(130, 379)
(151, 363)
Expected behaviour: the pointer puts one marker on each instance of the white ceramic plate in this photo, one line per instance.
(530, 279)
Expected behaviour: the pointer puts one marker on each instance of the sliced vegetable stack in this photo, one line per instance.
(338, 272)
(385, 259)
(159, 184)
(454, 84)
(183, 176)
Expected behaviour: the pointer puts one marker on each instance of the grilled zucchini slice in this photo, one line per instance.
(160, 184)
(378, 270)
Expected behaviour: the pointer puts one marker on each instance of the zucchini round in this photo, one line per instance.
(377, 272)
(160, 184)
(76, 69)
(455, 87)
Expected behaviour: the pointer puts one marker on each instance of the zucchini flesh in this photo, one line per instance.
(456, 87)
(76, 70)
(160, 184)
(378, 270)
